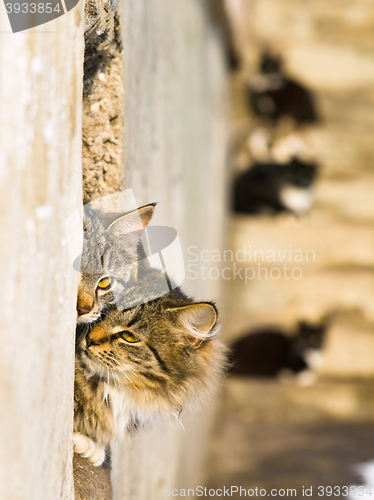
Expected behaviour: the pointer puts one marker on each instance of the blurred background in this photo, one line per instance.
(301, 194)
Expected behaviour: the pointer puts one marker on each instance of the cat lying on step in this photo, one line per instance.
(269, 353)
(273, 95)
(275, 187)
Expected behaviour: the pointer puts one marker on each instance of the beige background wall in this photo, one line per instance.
(329, 47)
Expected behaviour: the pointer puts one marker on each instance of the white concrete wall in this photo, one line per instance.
(40, 185)
(175, 154)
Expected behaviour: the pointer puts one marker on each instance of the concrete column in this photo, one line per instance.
(174, 153)
(40, 185)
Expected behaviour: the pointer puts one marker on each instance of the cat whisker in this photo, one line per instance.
(180, 423)
(92, 414)
(108, 373)
(140, 380)
(115, 379)
(117, 387)
(131, 382)
(142, 267)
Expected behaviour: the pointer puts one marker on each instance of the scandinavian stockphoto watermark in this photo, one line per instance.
(26, 14)
(233, 265)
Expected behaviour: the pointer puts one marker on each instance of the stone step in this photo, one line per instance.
(314, 242)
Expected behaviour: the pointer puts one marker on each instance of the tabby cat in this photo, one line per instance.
(142, 364)
(109, 258)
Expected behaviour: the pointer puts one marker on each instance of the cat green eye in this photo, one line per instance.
(129, 337)
(105, 283)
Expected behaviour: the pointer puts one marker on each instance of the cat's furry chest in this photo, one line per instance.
(123, 409)
(128, 413)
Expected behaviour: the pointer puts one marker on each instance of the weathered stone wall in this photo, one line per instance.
(102, 128)
(40, 185)
(329, 47)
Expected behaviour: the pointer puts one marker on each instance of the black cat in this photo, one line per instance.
(275, 187)
(268, 352)
(273, 95)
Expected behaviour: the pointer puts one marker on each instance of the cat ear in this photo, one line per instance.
(198, 320)
(131, 226)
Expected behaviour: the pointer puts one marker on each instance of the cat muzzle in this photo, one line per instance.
(85, 302)
(90, 341)
(84, 310)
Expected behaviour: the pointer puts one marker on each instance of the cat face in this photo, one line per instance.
(164, 347)
(300, 173)
(311, 336)
(147, 340)
(109, 259)
(270, 64)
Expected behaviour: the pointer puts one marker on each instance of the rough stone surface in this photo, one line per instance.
(102, 159)
(102, 152)
(91, 483)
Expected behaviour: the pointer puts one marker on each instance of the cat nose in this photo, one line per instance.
(90, 341)
(83, 310)
(85, 302)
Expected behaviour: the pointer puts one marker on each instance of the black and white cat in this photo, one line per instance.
(269, 353)
(275, 187)
(274, 95)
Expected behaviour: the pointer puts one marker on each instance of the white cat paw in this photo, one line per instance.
(87, 448)
(313, 358)
(306, 378)
(98, 457)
